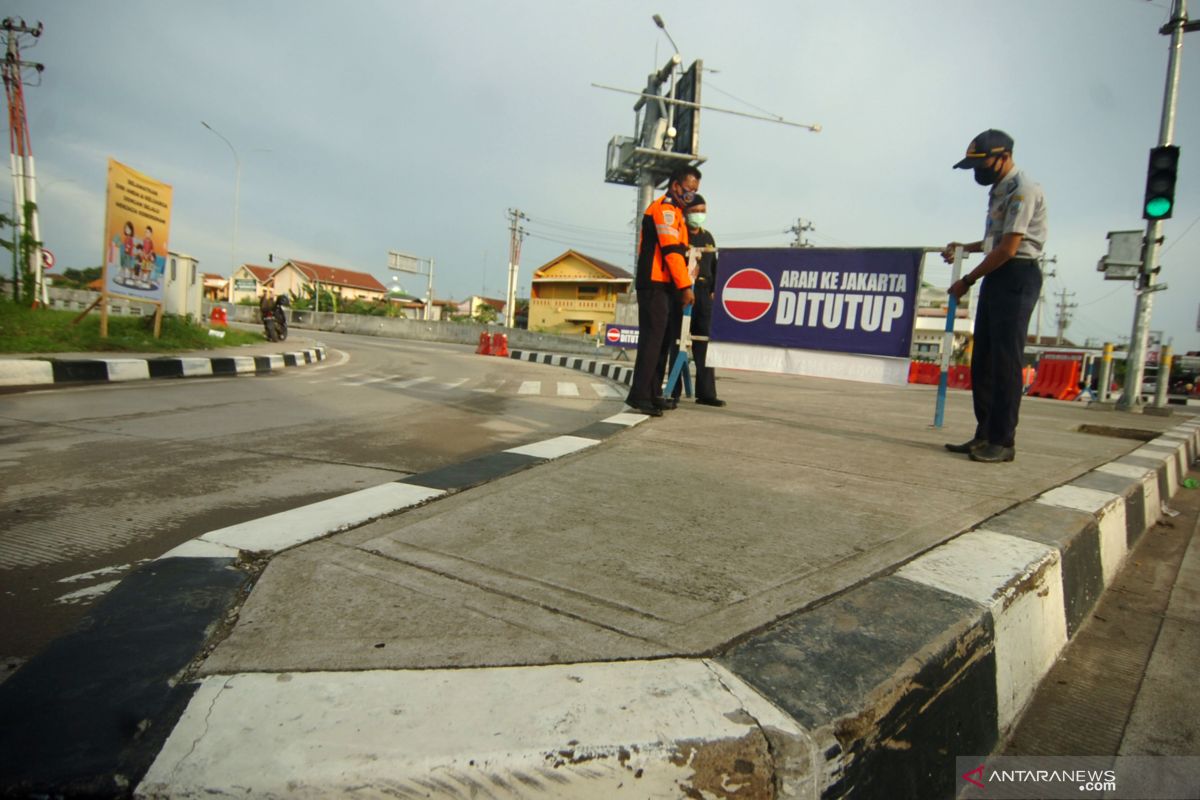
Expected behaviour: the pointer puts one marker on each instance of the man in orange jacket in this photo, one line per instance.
(661, 271)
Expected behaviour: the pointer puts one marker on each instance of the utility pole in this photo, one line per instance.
(1064, 315)
(1131, 394)
(29, 240)
(1042, 261)
(515, 234)
(798, 230)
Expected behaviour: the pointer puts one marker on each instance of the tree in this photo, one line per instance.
(486, 314)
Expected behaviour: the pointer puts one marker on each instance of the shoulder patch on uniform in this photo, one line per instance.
(668, 216)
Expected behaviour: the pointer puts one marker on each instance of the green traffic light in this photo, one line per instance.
(1158, 207)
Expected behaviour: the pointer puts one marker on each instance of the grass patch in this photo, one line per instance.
(24, 330)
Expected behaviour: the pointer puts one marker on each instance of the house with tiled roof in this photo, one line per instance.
(297, 277)
(248, 282)
(576, 293)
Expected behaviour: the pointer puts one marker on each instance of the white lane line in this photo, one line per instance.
(555, 448)
(454, 384)
(530, 387)
(567, 389)
(298, 525)
(369, 381)
(604, 390)
(343, 357)
(410, 382)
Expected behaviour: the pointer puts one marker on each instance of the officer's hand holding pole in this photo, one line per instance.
(688, 297)
(962, 285)
(948, 251)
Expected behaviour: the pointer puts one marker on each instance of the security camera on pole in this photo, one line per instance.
(1157, 205)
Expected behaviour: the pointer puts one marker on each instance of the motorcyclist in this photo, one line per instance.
(266, 308)
(281, 322)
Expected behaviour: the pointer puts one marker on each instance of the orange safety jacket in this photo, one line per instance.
(662, 246)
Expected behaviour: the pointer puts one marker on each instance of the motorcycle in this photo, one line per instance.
(274, 320)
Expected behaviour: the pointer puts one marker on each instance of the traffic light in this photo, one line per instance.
(1160, 183)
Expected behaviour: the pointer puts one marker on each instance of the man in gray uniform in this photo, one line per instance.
(1012, 242)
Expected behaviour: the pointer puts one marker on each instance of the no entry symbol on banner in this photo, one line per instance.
(747, 295)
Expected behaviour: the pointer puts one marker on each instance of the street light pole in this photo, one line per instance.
(237, 191)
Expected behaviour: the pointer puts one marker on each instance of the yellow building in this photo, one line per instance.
(575, 293)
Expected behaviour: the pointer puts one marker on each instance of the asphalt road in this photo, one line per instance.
(97, 478)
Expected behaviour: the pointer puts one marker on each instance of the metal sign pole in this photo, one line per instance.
(948, 342)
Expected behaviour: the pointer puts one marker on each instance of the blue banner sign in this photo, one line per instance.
(625, 336)
(840, 300)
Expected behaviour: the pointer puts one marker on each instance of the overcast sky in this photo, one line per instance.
(364, 127)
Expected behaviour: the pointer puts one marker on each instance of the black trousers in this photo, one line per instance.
(654, 308)
(1006, 301)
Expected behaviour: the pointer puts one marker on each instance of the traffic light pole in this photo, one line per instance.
(1131, 397)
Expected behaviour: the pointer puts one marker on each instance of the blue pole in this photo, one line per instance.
(948, 342)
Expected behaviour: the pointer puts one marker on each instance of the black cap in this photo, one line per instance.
(697, 200)
(989, 143)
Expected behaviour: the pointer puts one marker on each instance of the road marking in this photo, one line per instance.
(530, 387)
(369, 381)
(410, 382)
(298, 525)
(567, 389)
(604, 390)
(555, 448)
(454, 384)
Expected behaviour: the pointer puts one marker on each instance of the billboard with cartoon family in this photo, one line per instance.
(136, 225)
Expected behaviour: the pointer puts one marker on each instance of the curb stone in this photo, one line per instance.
(36, 372)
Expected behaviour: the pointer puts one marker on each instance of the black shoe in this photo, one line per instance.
(659, 403)
(671, 403)
(967, 447)
(649, 410)
(709, 401)
(993, 453)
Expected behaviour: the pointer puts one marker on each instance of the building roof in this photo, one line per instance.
(614, 272)
(337, 276)
(262, 274)
(491, 301)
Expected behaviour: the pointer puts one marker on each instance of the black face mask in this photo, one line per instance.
(986, 176)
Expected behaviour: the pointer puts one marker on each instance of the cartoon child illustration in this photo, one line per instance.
(148, 254)
(127, 261)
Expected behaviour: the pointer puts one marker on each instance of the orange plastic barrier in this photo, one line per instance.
(500, 344)
(484, 348)
(1057, 379)
(960, 377)
(218, 316)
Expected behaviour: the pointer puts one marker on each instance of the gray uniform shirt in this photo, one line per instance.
(1016, 205)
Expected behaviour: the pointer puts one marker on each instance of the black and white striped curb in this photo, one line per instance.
(89, 713)
(35, 372)
(605, 369)
(871, 694)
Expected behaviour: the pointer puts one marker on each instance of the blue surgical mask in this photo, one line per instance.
(697, 219)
